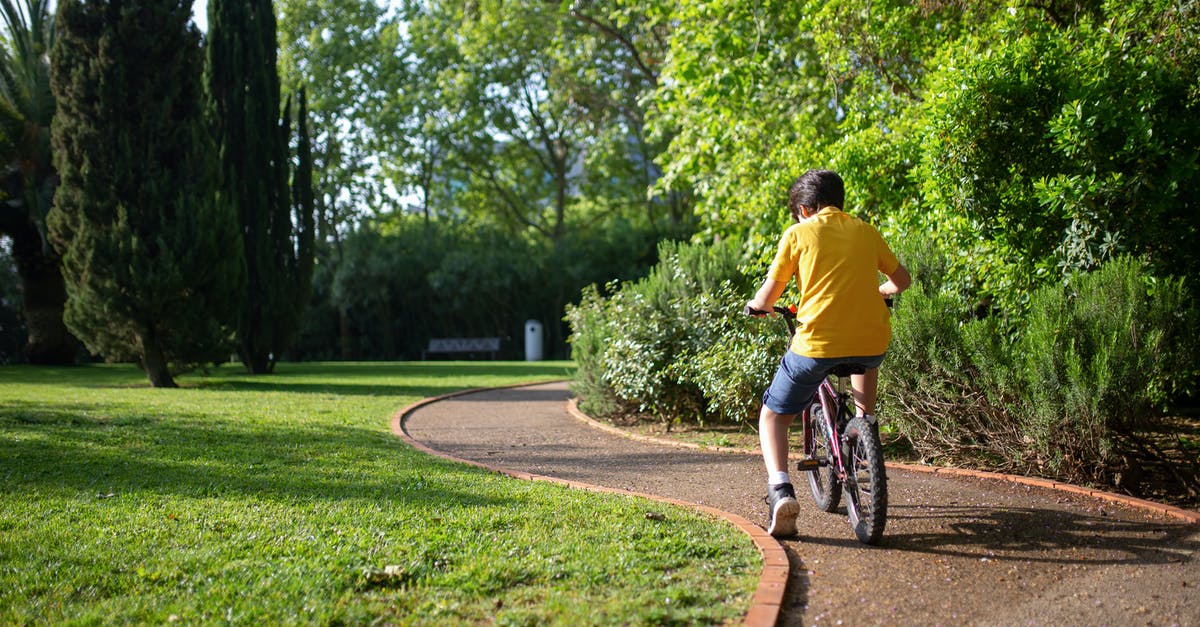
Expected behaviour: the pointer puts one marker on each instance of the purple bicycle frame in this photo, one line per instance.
(826, 395)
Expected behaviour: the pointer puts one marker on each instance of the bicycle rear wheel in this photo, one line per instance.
(822, 481)
(866, 485)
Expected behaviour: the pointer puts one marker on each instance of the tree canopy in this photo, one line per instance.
(1027, 141)
(1030, 139)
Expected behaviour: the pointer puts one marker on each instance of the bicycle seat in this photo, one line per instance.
(845, 370)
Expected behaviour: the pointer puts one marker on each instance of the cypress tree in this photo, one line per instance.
(305, 210)
(253, 139)
(150, 254)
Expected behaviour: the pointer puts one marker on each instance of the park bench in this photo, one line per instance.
(462, 345)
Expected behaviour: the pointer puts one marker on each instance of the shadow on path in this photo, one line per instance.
(1034, 535)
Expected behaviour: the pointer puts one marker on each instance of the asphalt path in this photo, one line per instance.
(957, 550)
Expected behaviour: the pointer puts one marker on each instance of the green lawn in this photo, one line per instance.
(286, 499)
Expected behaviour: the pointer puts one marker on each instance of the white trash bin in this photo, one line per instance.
(533, 340)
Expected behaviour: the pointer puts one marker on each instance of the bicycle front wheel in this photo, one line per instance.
(822, 480)
(866, 483)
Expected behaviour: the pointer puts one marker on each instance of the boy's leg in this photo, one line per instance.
(781, 497)
(773, 437)
(865, 386)
(791, 390)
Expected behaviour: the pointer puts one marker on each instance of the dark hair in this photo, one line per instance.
(816, 189)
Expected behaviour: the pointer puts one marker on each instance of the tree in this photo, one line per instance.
(515, 141)
(243, 84)
(534, 119)
(27, 177)
(344, 54)
(748, 105)
(611, 54)
(150, 253)
(1068, 143)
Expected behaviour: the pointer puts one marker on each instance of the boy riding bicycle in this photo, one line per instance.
(836, 260)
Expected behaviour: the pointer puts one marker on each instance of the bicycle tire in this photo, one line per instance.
(822, 482)
(866, 485)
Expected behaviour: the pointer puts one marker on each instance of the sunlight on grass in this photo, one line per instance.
(285, 498)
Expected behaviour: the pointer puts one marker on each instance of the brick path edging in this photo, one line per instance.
(768, 597)
(1112, 497)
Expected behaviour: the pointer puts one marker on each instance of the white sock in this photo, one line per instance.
(776, 477)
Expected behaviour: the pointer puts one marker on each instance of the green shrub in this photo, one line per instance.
(1054, 392)
(591, 330)
(932, 384)
(732, 373)
(627, 346)
(1093, 360)
(1100, 356)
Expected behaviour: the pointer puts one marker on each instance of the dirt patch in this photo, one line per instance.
(1164, 464)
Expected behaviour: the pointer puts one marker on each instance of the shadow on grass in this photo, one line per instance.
(78, 448)
(328, 388)
(125, 375)
(376, 379)
(420, 379)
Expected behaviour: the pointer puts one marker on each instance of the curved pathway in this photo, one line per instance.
(957, 550)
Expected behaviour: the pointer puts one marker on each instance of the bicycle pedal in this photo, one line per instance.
(810, 465)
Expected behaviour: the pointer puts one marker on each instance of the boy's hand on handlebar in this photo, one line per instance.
(751, 311)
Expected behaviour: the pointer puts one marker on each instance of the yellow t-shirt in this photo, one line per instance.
(836, 259)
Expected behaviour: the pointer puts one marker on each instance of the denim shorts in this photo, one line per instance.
(798, 378)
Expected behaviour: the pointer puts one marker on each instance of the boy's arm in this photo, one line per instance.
(897, 282)
(766, 295)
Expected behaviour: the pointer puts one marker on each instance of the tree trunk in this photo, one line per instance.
(344, 336)
(387, 331)
(154, 363)
(257, 362)
(45, 296)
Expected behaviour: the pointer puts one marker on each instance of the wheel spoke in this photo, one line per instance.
(826, 490)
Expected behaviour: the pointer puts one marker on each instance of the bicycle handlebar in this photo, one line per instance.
(790, 313)
(750, 311)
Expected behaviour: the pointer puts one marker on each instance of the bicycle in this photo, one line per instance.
(843, 452)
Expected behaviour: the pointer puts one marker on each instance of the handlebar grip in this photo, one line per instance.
(750, 311)
(889, 301)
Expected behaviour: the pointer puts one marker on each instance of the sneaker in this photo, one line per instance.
(781, 500)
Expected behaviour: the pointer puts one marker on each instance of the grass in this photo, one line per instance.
(284, 499)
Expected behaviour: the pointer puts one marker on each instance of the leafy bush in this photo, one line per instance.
(1094, 359)
(1100, 355)
(1054, 392)
(632, 347)
(732, 372)
(1059, 145)
(591, 331)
